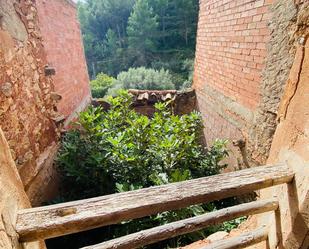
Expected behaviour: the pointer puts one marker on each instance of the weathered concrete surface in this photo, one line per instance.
(12, 198)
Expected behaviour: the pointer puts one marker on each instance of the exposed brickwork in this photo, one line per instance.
(284, 130)
(218, 125)
(243, 57)
(62, 40)
(230, 55)
(214, 119)
(231, 48)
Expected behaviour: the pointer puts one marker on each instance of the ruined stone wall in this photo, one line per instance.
(63, 44)
(27, 104)
(244, 53)
(182, 102)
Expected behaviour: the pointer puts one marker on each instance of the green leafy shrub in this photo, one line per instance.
(121, 150)
(124, 147)
(101, 84)
(143, 78)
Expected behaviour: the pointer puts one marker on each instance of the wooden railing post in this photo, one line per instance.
(61, 219)
(242, 241)
(150, 236)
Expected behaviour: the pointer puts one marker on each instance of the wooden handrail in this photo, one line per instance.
(150, 236)
(61, 219)
(242, 241)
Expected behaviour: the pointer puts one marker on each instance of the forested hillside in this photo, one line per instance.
(121, 34)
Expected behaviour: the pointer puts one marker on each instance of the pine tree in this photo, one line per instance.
(112, 51)
(142, 28)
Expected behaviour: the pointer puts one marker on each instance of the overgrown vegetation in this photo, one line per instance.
(121, 34)
(120, 150)
(121, 147)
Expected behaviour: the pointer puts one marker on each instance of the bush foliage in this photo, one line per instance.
(125, 147)
(100, 85)
(120, 150)
(144, 79)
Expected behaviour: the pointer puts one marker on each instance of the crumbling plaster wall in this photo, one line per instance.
(291, 145)
(27, 101)
(13, 198)
(283, 26)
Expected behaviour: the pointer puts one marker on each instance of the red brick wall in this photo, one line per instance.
(231, 49)
(63, 45)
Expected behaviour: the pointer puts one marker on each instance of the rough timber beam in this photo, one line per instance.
(61, 219)
(242, 241)
(156, 234)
